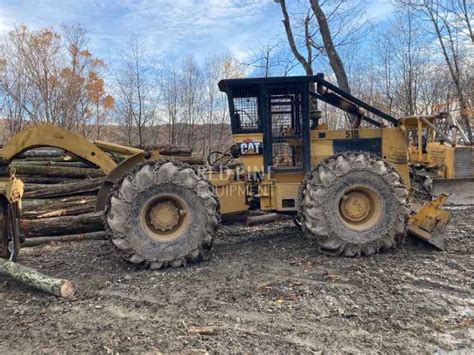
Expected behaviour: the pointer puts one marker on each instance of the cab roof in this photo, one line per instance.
(226, 84)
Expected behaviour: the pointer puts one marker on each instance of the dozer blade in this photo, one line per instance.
(460, 190)
(429, 222)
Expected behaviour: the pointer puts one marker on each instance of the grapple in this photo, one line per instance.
(11, 192)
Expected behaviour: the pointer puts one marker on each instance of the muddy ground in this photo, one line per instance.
(266, 289)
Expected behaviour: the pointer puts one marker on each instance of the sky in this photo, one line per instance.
(166, 27)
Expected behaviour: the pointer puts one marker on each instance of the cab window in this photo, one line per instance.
(245, 115)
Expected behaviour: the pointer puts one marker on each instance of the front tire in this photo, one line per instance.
(354, 204)
(163, 214)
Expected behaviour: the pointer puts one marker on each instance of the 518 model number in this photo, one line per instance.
(351, 134)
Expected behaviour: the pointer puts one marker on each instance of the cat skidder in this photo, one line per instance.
(347, 188)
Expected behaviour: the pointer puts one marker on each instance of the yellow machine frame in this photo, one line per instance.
(280, 186)
(237, 188)
(439, 156)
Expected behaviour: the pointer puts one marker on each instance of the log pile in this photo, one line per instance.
(59, 199)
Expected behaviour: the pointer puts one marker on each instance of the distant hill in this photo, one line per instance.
(200, 138)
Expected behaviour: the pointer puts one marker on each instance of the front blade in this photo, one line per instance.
(429, 222)
(435, 239)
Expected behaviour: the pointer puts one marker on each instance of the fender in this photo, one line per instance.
(114, 176)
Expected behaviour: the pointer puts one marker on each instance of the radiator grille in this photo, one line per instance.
(464, 162)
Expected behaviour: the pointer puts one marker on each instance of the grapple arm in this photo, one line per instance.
(11, 192)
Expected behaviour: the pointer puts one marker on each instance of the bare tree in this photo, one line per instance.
(45, 76)
(449, 37)
(305, 61)
(320, 39)
(402, 48)
(331, 51)
(463, 13)
(170, 99)
(139, 93)
(216, 118)
(270, 59)
(190, 99)
(197, 113)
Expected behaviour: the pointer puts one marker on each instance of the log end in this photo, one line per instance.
(67, 289)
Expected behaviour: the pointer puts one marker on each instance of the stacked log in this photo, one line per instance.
(60, 192)
(60, 195)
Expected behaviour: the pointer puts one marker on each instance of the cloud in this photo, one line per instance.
(165, 26)
(379, 10)
(188, 25)
(6, 19)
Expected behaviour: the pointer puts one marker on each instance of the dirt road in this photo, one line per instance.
(265, 289)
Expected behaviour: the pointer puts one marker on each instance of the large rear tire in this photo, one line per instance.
(354, 204)
(163, 214)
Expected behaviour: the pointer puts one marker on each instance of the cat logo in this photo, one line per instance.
(251, 148)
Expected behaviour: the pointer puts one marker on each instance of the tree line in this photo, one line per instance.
(49, 76)
(419, 60)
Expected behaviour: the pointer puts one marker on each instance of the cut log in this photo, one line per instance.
(66, 164)
(66, 211)
(269, 217)
(33, 278)
(45, 180)
(88, 222)
(69, 189)
(58, 171)
(30, 242)
(167, 149)
(42, 152)
(32, 187)
(190, 160)
(55, 159)
(46, 204)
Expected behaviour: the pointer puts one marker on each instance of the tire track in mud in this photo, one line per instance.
(266, 288)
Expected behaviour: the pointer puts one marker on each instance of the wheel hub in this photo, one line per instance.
(165, 216)
(356, 206)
